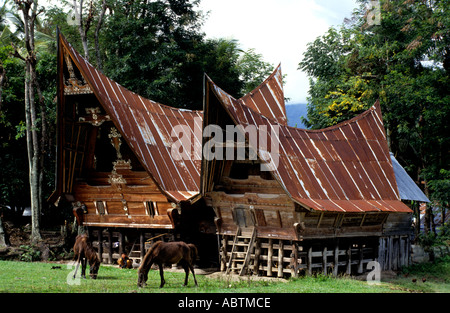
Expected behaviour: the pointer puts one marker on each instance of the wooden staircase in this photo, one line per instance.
(240, 255)
(135, 253)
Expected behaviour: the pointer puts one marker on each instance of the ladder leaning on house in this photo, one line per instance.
(240, 255)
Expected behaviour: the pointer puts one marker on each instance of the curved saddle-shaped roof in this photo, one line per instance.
(344, 168)
(147, 128)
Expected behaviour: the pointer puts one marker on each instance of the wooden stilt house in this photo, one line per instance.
(290, 200)
(115, 165)
(300, 200)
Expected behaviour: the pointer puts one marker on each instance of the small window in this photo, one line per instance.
(260, 218)
(151, 208)
(100, 207)
(243, 217)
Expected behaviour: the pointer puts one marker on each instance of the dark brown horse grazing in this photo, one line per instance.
(168, 253)
(85, 252)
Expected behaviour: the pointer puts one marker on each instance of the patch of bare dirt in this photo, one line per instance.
(236, 277)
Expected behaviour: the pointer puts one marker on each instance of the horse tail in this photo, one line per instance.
(193, 252)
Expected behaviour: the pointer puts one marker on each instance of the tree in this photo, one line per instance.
(156, 50)
(97, 34)
(3, 30)
(150, 45)
(83, 24)
(29, 10)
(254, 70)
(403, 62)
(13, 181)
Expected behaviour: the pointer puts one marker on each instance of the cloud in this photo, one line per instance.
(279, 30)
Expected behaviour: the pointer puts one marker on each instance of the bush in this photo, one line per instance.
(30, 253)
(439, 268)
(431, 239)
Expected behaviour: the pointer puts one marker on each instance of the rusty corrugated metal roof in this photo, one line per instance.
(268, 98)
(344, 168)
(146, 126)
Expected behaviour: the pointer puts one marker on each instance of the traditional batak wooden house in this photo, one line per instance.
(115, 163)
(291, 200)
(329, 201)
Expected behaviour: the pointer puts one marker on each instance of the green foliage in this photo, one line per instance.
(156, 50)
(440, 186)
(14, 177)
(348, 99)
(30, 253)
(149, 46)
(440, 268)
(254, 70)
(322, 58)
(405, 63)
(431, 239)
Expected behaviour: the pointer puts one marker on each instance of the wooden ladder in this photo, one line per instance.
(134, 254)
(241, 251)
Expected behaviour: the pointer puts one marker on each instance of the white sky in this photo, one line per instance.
(277, 29)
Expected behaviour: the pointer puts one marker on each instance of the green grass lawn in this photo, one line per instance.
(32, 277)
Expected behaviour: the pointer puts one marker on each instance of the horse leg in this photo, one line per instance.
(193, 274)
(186, 270)
(161, 273)
(83, 267)
(76, 267)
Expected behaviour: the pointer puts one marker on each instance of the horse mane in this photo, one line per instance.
(149, 256)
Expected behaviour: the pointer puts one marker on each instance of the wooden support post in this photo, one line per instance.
(380, 257)
(395, 253)
(223, 263)
(324, 260)
(257, 256)
(269, 257)
(309, 261)
(401, 258)
(408, 249)
(294, 260)
(336, 258)
(405, 252)
(280, 258)
(349, 259)
(100, 244)
(142, 244)
(110, 247)
(389, 253)
(361, 258)
(121, 244)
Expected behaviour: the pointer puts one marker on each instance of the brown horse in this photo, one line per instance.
(168, 253)
(85, 252)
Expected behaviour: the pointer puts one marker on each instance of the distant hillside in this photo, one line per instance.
(294, 112)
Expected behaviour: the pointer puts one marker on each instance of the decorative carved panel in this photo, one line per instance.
(94, 116)
(74, 85)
